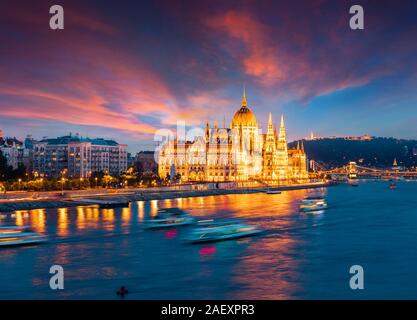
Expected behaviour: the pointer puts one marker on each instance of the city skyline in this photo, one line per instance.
(125, 71)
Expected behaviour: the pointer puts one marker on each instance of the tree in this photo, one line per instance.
(139, 168)
(4, 168)
(96, 178)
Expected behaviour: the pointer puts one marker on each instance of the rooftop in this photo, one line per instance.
(70, 138)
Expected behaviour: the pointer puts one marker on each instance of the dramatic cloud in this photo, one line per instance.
(130, 68)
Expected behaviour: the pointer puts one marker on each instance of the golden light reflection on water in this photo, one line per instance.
(154, 208)
(277, 266)
(19, 218)
(265, 267)
(126, 215)
(62, 229)
(88, 218)
(80, 218)
(141, 210)
(108, 218)
(38, 220)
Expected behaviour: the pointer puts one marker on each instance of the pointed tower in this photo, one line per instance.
(244, 102)
(270, 124)
(270, 136)
(207, 132)
(282, 152)
(269, 152)
(282, 136)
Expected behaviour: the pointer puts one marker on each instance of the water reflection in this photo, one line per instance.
(62, 228)
(94, 244)
(108, 218)
(126, 216)
(141, 210)
(38, 220)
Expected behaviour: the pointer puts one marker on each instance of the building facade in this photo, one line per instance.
(147, 162)
(238, 153)
(15, 152)
(78, 157)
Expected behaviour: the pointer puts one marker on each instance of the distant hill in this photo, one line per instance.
(377, 152)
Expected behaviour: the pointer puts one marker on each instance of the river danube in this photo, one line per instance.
(301, 256)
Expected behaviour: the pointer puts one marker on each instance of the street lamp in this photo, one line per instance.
(62, 181)
(62, 186)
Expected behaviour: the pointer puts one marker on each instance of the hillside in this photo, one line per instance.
(378, 152)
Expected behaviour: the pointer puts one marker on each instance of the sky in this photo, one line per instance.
(125, 69)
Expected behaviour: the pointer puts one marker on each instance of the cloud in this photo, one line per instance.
(141, 72)
(303, 51)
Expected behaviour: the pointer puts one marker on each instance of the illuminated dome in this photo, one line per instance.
(244, 116)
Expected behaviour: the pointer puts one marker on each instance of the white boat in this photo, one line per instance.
(19, 236)
(222, 231)
(313, 204)
(171, 217)
(271, 191)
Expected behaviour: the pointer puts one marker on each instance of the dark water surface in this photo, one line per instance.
(301, 255)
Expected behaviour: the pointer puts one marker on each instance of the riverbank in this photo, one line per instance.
(143, 195)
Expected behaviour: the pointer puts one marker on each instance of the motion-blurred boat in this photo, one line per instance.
(393, 186)
(222, 230)
(171, 217)
(271, 191)
(19, 236)
(313, 204)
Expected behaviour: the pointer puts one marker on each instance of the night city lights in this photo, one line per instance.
(208, 159)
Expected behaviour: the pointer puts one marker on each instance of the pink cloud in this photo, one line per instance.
(81, 79)
(284, 57)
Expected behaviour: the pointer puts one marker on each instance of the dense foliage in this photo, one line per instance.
(378, 152)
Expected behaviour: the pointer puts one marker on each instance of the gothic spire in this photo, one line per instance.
(244, 102)
(282, 125)
(270, 124)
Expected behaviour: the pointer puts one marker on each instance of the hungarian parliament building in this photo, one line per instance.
(236, 154)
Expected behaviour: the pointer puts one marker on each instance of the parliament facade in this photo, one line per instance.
(238, 153)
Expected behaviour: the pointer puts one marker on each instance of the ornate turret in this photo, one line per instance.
(270, 136)
(282, 136)
(244, 102)
(244, 116)
(207, 133)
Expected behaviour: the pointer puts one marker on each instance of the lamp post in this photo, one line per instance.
(62, 181)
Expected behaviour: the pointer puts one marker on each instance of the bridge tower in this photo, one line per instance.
(353, 170)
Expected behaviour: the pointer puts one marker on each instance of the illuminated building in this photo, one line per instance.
(14, 151)
(79, 156)
(238, 153)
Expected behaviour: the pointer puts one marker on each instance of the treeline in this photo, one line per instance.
(378, 152)
(7, 172)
